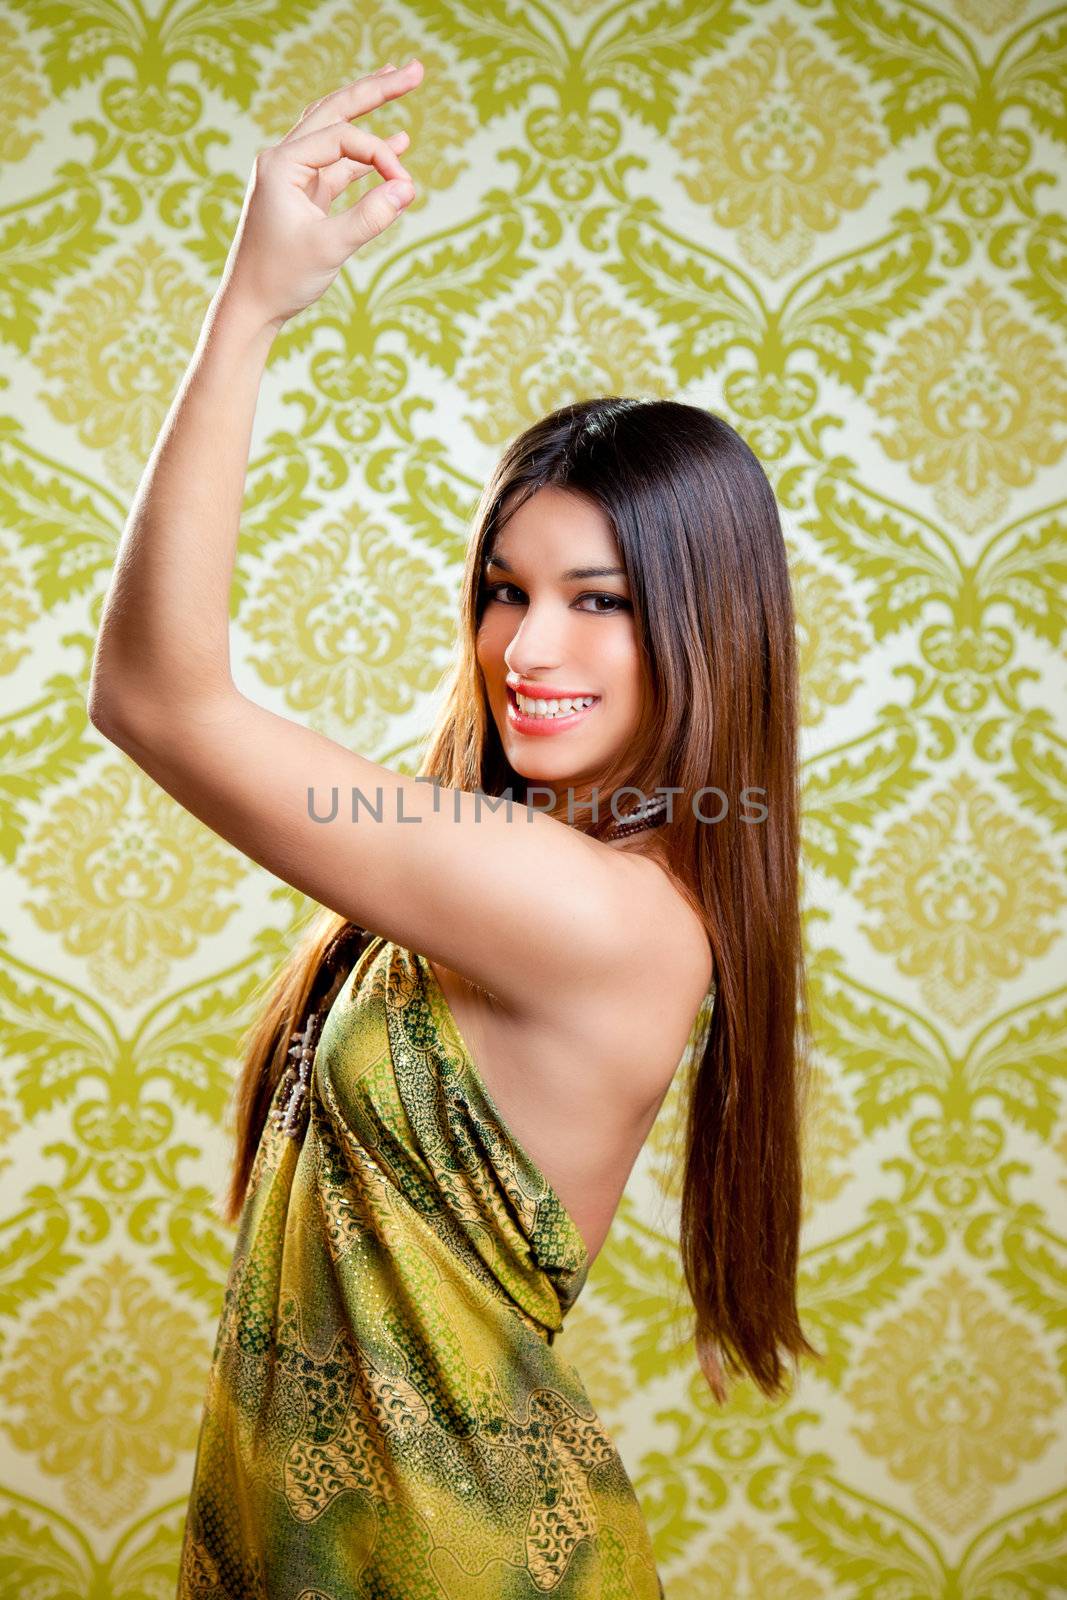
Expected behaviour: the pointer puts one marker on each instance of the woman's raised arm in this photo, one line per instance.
(163, 644)
(523, 905)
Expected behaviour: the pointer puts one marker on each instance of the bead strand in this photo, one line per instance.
(292, 1103)
(649, 815)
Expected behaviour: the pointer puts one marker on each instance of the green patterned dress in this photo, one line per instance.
(387, 1416)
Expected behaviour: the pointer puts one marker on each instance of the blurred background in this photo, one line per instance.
(841, 226)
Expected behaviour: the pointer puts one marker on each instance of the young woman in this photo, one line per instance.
(450, 1082)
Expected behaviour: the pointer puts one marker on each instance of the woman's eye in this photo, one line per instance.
(496, 592)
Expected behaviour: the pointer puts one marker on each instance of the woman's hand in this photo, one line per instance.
(288, 249)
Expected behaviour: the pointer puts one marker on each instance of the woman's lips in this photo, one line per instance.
(522, 723)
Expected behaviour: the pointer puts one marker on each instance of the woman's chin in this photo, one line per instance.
(547, 760)
(558, 773)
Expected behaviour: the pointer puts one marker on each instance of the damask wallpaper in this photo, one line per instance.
(840, 225)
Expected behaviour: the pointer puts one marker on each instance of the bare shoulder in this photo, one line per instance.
(671, 944)
(638, 1018)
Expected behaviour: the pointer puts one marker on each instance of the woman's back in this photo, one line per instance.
(386, 1412)
(580, 1088)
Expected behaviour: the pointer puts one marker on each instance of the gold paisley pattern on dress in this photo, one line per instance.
(386, 1411)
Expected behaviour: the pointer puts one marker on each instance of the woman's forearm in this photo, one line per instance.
(164, 633)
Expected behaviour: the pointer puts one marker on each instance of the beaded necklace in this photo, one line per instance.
(649, 815)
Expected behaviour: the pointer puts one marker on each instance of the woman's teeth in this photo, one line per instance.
(551, 708)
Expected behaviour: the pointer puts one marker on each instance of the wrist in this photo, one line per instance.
(239, 322)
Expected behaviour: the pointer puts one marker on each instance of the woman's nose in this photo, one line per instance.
(538, 643)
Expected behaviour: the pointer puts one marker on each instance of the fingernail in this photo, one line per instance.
(399, 192)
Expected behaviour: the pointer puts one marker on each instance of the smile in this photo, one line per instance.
(545, 722)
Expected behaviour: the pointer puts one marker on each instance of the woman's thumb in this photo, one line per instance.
(374, 213)
(398, 192)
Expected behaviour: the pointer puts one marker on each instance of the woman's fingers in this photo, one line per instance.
(371, 215)
(334, 152)
(356, 169)
(339, 174)
(356, 99)
(325, 145)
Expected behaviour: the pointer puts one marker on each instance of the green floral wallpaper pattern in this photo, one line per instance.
(841, 225)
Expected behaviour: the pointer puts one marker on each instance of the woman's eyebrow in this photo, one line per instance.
(571, 572)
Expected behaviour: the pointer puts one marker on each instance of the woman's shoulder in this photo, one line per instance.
(652, 994)
(670, 986)
(674, 912)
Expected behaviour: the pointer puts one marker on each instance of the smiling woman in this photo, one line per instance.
(452, 1076)
(530, 637)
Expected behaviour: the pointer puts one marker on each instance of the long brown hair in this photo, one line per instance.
(699, 534)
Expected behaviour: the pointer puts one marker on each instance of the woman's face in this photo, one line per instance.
(575, 636)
